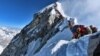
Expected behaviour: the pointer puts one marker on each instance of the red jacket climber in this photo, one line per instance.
(79, 30)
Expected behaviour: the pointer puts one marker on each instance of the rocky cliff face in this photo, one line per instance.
(48, 35)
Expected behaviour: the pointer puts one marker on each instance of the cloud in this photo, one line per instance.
(86, 11)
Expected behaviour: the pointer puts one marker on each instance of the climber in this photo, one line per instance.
(71, 22)
(94, 29)
(76, 30)
(89, 30)
(80, 30)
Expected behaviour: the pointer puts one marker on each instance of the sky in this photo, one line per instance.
(86, 12)
(18, 13)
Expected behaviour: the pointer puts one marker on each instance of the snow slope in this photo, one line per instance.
(74, 47)
(47, 49)
(1, 49)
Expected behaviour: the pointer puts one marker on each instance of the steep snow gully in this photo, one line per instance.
(49, 35)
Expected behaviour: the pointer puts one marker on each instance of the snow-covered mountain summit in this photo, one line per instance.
(49, 35)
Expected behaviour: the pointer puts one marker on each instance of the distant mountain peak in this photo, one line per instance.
(6, 34)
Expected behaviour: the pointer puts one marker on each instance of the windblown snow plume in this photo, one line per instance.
(86, 11)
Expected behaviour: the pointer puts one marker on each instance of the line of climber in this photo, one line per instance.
(80, 30)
